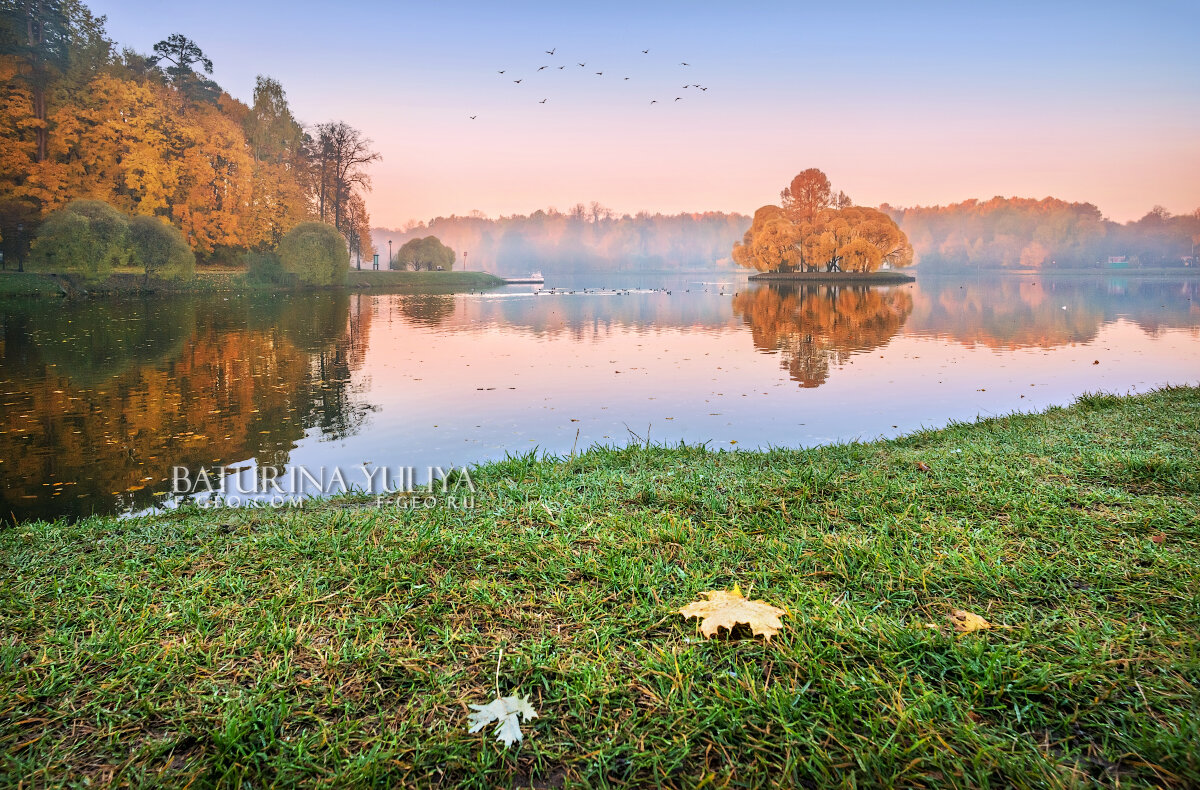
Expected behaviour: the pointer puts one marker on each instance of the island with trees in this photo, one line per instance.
(819, 235)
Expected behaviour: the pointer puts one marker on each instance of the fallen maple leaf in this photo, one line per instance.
(1158, 539)
(505, 711)
(922, 466)
(725, 609)
(965, 622)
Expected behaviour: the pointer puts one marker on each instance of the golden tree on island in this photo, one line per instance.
(818, 229)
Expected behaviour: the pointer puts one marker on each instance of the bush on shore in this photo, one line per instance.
(316, 253)
(86, 237)
(89, 239)
(160, 249)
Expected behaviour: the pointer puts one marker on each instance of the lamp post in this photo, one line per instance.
(464, 260)
(389, 253)
(20, 247)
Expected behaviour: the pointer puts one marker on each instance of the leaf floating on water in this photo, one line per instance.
(505, 712)
(725, 609)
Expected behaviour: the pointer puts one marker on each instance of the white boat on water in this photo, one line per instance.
(534, 278)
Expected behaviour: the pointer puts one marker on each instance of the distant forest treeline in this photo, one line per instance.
(1023, 233)
(1001, 233)
(153, 135)
(581, 239)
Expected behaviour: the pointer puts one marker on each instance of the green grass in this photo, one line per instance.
(14, 283)
(340, 645)
(426, 282)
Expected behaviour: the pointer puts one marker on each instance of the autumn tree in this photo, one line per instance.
(358, 228)
(1018, 232)
(808, 193)
(35, 33)
(316, 253)
(817, 229)
(770, 244)
(342, 155)
(149, 135)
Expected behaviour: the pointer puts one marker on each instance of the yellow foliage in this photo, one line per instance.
(138, 146)
(816, 229)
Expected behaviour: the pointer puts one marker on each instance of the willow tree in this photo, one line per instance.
(771, 243)
(428, 253)
(818, 228)
(316, 253)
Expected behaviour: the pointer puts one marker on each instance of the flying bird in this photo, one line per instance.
(654, 101)
(561, 67)
(678, 98)
(645, 52)
(626, 78)
(551, 51)
(704, 89)
(543, 101)
(517, 81)
(473, 117)
(599, 73)
(542, 67)
(502, 71)
(685, 64)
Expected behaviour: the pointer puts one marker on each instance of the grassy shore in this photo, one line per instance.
(340, 645)
(425, 282)
(33, 284)
(14, 283)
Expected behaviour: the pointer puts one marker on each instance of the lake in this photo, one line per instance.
(100, 400)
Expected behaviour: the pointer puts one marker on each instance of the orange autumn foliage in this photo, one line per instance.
(120, 129)
(819, 230)
(815, 328)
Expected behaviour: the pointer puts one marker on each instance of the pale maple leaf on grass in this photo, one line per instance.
(504, 711)
(725, 609)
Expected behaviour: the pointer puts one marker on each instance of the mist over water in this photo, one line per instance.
(101, 399)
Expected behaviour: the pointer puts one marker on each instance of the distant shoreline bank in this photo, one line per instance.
(848, 278)
(1161, 271)
(41, 284)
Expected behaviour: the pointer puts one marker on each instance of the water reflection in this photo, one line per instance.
(815, 327)
(1021, 312)
(102, 399)
(98, 400)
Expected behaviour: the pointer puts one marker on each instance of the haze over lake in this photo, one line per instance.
(102, 398)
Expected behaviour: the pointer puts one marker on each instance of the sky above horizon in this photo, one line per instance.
(910, 104)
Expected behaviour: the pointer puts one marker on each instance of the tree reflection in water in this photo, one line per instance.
(816, 327)
(102, 400)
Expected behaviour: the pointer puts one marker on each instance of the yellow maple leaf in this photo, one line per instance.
(965, 622)
(725, 609)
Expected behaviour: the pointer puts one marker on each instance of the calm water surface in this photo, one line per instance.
(100, 400)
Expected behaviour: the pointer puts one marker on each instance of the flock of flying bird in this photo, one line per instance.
(598, 74)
